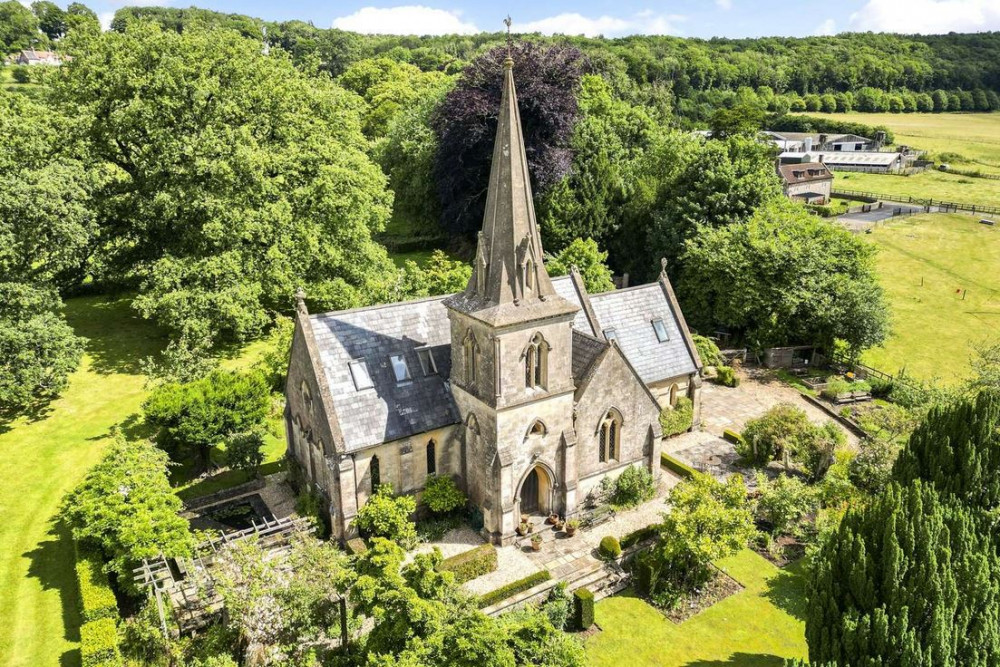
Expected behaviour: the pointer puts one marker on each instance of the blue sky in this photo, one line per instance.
(693, 18)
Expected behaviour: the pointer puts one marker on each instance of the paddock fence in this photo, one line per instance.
(939, 204)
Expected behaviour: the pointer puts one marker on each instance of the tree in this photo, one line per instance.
(783, 501)
(784, 277)
(18, 26)
(388, 87)
(985, 368)
(776, 435)
(51, 18)
(245, 451)
(708, 520)
(740, 120)
(196, 416)
(438, 275)
(589, 260)
(871, 469)
(218, 207)
(38, 350)
(465, 124)
(905, 580)
(957, 450)
(126, 507)
(388, 516)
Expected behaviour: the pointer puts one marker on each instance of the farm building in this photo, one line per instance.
(871, 161)
(810, 182)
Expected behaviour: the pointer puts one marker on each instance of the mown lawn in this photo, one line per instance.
(45, 455)
(761, 625)
(926, 264)
(929, 184)
(972, 136)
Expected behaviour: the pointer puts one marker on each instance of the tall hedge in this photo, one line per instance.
(583, 608)
(957, 449)
(97, 600)
(905, 581)
(99, 644)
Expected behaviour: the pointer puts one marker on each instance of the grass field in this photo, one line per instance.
(974, 136)
(930, 184)
(47, 454)
(925, 264)
(759, 626)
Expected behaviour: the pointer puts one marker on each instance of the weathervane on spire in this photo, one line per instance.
(507, 22)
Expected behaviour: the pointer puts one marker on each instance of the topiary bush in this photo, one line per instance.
(610, 548)
(678, 419)
(583, 608)
(471, 564)
(726, 376)
(441, 495)
(99, 644)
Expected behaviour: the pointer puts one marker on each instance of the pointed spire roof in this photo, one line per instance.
(509, 282)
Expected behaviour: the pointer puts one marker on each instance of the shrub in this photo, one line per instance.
(20, 74)
(679, 418)
(99, 644)
(513, 588)
(310, 504)
(633, 486)
(708, 351)
(471, 564)
(557, 606)
(97, 600)
(441, 495)
(835, 387)
(783, 502)
(767, 437)
(610, 548)
(672, 464)
(388, 516)
(732, 436)
(816, 451)
(726, 376)
(881, 388)
(583, 608)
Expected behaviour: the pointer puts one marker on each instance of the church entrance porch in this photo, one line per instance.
(535, 494)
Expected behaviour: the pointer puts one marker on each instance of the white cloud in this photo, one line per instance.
(724, 5)
(927, 16)
(572, 23)
(106, 18)
(827, 27)
(405, 20)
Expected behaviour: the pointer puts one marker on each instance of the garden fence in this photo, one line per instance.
(941, 205)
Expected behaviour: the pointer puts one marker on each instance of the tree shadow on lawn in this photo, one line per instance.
(51, 562)
(786, 590)
(118, 340)
(741, 660)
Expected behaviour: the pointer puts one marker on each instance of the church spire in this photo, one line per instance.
(509, 262)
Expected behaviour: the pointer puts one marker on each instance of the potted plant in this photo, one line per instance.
(536, 542)
(552, 519)
(522, 529)
(559, 523)
(571, 527)
(531, 526)
(525, 518)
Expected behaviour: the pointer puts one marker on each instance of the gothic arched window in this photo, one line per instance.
(375, 473)
(609, 437)
(529, 275)
(471, 350)
(431, 457)
(535, 363)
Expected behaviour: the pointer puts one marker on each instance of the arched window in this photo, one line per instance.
(471, 349)
(375, 473)
(431, 458)
(609, 437)
(535, 363)
(673, 394)
(529, 275)
(538, 428)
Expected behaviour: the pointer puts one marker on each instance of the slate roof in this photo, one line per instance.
(389, 410)
(804, 172)
(564, 288)
(631, 312)
(586, 350)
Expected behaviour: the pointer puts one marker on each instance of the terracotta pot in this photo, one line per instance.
(552, 519)
(522, 530)
(536, 546)
(570, 531)
(559, 525)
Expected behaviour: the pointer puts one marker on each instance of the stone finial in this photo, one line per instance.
(300, 300)
(663, 265)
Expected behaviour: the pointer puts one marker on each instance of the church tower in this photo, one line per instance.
(511, 350)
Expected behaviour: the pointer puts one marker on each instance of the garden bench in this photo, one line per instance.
(853, 397)
(597, 516)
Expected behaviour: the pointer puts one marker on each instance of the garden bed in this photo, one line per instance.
(718, 588)
(785, 549)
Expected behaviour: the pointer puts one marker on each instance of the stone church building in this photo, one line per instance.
(524, 388)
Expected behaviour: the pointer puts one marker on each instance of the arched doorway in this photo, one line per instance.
(535, 494)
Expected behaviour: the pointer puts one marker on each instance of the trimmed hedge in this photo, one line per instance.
(732, 436)
(583, 608)
(636, 536)
(610, 548)
(471, 564)
(513, 588)
(97, 600)
(672, 464)
(99, 644)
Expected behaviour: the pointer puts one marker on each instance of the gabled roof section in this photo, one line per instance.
(509, 283)
(586, 350)
(389, 410)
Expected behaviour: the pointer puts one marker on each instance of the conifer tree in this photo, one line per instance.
(957, 449)
(907, 580)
